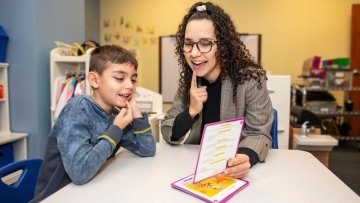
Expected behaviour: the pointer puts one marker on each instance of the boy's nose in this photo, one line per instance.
(129, 84)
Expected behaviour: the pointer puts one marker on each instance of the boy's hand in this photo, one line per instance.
(198, 96)
(124, 117)
(135, 110)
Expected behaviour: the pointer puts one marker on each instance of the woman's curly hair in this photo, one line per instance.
(234, 59)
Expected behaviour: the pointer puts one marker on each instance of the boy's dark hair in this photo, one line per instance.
(101, 56)
(235, 60)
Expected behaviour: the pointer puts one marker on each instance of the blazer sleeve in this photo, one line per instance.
(258, 118)
(168, 122)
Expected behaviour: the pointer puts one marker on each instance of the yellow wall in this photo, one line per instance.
(292, 30)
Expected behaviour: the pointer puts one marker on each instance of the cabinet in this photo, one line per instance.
(279, 91)
(61, 65)
(355, 63)
(18, 140)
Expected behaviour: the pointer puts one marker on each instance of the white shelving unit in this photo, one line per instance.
(61, 65)
(6, 136)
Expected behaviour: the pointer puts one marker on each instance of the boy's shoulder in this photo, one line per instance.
(79, 99)
(84, 102)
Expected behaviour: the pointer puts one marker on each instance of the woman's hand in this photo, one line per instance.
(238, 167)
(198, 96)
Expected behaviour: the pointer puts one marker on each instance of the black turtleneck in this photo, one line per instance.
(211, 109)
(210, 112)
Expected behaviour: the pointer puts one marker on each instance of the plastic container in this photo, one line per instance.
(339, 78)
(319, 107)
(314, 82)
(3, 44)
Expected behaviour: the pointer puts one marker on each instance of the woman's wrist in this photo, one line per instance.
(192, 113)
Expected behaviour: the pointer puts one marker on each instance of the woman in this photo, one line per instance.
(218, 81)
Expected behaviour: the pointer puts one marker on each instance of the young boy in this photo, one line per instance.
(88, 131)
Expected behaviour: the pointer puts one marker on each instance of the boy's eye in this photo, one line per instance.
(118, 78)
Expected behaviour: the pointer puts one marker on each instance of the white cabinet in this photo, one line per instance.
(279, 91)
(61, 65)
(6, 136)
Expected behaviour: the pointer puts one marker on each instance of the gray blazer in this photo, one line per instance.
(252, 103)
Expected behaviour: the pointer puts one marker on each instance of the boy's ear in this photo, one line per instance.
(93, 79)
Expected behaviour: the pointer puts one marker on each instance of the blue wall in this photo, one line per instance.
(32, 27)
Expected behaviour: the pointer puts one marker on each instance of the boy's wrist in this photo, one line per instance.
(113, 134)
(137, 113)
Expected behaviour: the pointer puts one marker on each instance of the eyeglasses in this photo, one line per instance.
(204, 45)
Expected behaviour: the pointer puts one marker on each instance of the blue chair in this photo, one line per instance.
(23, 189)
(274, 131)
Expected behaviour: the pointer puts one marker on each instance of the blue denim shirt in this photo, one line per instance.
(77, 129)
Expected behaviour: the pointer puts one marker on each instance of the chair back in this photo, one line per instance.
(23, 189)
(274, 131)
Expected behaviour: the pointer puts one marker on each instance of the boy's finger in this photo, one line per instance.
(129, 107)
(123, 112)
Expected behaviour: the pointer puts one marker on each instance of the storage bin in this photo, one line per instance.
(3, 43)
(338, 78)
(319, 107)
(6, 154)
(314, 82)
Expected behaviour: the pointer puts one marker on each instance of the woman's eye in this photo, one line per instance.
(205, 43)
(188, 44)
(134, 81)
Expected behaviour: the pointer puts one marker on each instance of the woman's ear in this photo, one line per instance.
(93, 79)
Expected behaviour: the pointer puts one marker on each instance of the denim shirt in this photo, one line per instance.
(77, 129)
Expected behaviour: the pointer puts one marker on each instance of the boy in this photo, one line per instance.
(88, 132)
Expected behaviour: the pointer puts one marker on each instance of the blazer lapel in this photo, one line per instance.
(227, 106)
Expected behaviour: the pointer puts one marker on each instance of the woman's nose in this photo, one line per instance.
(195, 51)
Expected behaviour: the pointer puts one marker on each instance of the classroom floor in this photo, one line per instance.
(344, 162)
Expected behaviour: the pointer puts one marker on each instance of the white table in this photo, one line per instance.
(286, 176)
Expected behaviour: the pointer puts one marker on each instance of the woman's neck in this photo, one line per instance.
(213, 75)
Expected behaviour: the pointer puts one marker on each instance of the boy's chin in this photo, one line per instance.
(121, 104)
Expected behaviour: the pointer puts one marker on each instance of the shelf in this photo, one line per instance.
(348, 138)
(8, 137)
(60, 65)
(337, 113)
(331, 89)
(18, 140)
(70, 59)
